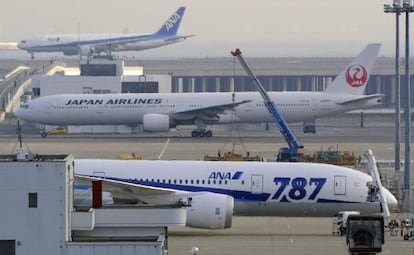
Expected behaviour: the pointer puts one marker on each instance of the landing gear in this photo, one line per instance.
(201, 133)
(43, 133)
(201, 130)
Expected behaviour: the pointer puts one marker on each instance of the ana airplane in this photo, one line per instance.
(161, 111)
(88, 44)
(214, 191)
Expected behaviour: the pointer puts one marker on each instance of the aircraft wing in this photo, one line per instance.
(209, 112)
(116, 42)
(132, 191)
(359, 99)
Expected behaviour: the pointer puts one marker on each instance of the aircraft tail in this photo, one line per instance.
(172, 24)
(354, 78)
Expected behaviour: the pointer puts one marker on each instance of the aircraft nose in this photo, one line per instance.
(21, 113)
(17, 113)
(391, 200)
(19, 45)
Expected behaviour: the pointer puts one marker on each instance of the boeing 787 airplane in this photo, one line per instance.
(214, 191)
(88, 44)
(159, 112)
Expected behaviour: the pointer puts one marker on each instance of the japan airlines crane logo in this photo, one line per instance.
(356, 75)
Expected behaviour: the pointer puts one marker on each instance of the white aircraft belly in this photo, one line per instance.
(250, 208)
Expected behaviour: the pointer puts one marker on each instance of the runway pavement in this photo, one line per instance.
(248, 235)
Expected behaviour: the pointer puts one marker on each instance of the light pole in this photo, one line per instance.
(408, 7)
(397, 8)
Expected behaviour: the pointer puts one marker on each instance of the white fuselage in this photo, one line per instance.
(70, 44)
(258, 188)
(182, 107)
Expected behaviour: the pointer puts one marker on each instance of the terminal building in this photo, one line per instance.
(216, 75)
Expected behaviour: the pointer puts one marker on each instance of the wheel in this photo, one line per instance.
(194, 134)
(209, 133)
(406, 237)
(44, 134)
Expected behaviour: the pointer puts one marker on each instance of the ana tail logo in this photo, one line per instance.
(171, 21)
(356, 76)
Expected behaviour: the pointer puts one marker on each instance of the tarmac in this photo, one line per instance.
(248, 235)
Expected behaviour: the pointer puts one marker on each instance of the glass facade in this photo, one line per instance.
(377, 84)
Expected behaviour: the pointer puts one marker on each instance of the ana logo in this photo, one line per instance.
(219, 175)
(356, 75)
(171, 21)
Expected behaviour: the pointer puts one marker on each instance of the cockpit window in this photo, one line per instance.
(23, 41)
(25, 106)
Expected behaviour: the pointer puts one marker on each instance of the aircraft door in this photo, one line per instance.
(257, 184)
(314, 105)
(100, 109)
(340, 185)
(48, 108)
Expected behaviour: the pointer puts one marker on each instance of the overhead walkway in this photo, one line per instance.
(16, 83)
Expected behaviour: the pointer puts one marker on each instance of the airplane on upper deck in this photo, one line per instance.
(214, 191)
(88, 44)
(159, 112)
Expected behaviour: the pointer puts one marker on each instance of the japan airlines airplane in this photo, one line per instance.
(161, 111)
(89, 44)
(214, 191)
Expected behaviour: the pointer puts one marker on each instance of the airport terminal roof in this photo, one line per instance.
(229, 66)
(262, 66)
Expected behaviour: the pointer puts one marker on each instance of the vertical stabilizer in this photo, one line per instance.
(354, 78)
(172, 24)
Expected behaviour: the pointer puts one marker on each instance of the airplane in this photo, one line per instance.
(159, 112)
(214, 191)
(88, 44)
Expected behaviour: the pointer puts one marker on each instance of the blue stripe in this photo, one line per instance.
(82, 187)
(323, 200)
(237, 175)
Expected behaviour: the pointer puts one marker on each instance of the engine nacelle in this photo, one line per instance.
(154, 122)
(86, 50)
(210, 210)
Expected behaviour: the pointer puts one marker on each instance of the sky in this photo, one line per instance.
(262, 28)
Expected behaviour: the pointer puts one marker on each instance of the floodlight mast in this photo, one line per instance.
(398, 7)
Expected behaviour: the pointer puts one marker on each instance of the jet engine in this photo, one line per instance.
(154, 122)
(210, 210)
(87, 50)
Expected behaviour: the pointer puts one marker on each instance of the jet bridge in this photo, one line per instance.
(37, 215)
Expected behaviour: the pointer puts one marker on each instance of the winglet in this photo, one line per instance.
(171, 25)
(372, 166)
(354, 78)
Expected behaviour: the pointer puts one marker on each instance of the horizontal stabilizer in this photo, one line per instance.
(360, 99)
